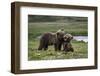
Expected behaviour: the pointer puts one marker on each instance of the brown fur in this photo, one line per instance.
(55, 39)
(67, 46)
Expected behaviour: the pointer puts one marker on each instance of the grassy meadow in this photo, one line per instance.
(73, 25)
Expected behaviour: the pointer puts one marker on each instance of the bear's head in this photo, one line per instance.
(60, 35)
(67, 37)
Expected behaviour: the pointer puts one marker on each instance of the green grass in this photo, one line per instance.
(36, 29)
(74, 28)
(80, 51)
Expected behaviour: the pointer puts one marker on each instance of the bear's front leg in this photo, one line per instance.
(55, 47)
(46, 47)
(59, 46)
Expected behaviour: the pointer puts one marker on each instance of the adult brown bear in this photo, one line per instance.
(67, 46)
(50, 38)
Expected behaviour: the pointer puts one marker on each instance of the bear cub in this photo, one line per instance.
(67, 46)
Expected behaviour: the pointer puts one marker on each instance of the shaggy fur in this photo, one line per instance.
(55, 39)
(67, 46)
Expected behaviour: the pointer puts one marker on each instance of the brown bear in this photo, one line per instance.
(67, 46)
(50, 38)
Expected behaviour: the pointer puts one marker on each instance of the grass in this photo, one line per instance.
(74, 28)
(80, 51)
(36, 29)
